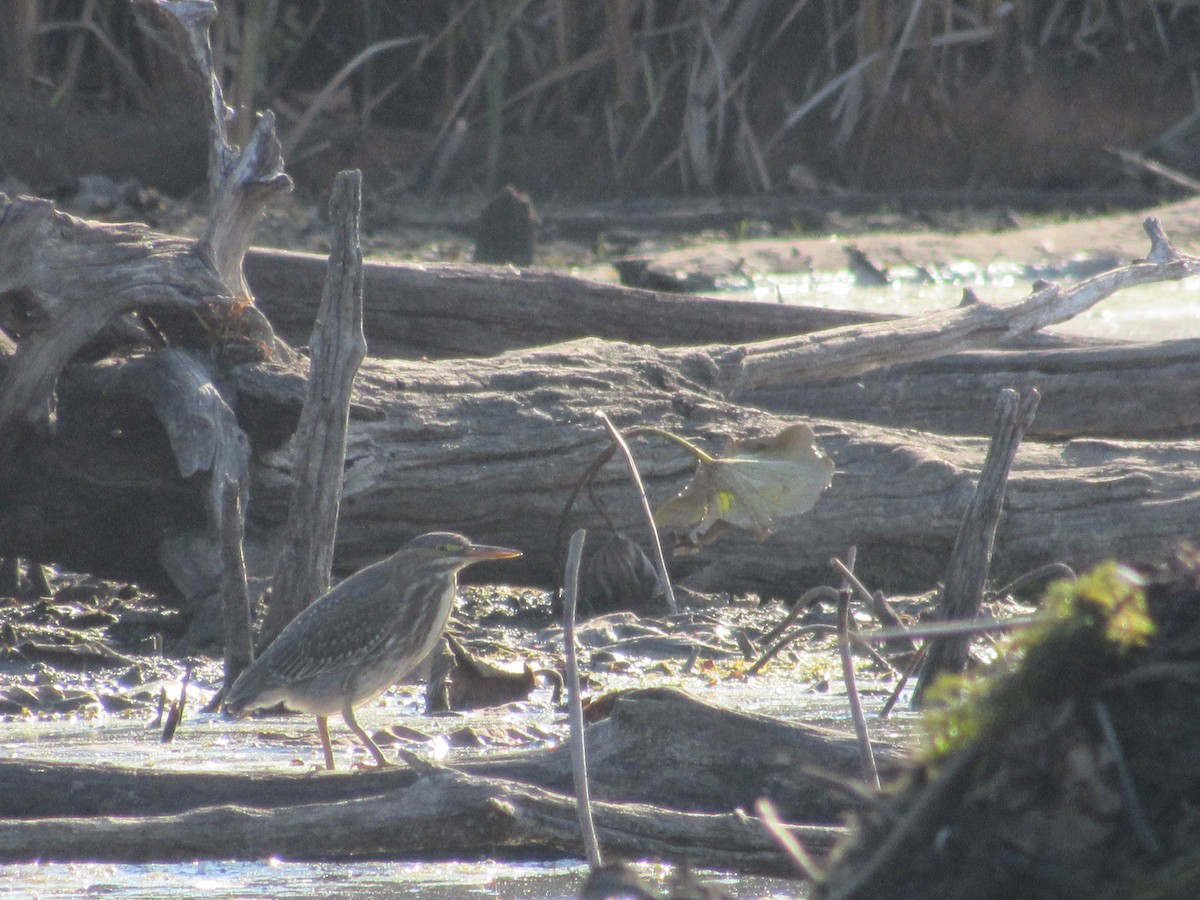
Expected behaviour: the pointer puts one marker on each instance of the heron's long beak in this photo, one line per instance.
(484, 551)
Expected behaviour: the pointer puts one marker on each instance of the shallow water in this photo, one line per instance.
(277, 879)
(208, 741)
(1163, 311)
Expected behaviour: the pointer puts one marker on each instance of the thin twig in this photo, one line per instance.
(1133, 805)
(660, 561)
(913, 665)
(574, 702)
(774, 650)
(788, 841)
(870, 772)
(931, 630)
(879, 608)
(298, 131)
(1155, 167)
(877, 605)
(1047, 571)
(807, 601)
(175, 714)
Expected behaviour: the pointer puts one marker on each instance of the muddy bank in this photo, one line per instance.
(889, 242)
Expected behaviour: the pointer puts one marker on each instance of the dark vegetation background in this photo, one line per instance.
(621, 98)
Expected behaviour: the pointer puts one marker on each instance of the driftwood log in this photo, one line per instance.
(971, 560)
(444, 816)
(674, 778)
(493, 446)
(1089, 387)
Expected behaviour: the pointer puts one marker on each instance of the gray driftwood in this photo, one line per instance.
(971, 560)
(1088, 387)
(672, 777)
(492, 447)
(656, 746)
(440, 310)
(443, 816)
(1126, 390)
(305, 564)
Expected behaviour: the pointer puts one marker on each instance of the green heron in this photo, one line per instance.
(358, 639)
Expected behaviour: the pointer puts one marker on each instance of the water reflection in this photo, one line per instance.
(278, 879)
(1163, 311)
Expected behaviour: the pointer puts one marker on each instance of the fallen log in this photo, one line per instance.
(656, 746)
(1098, 391)
(448, 815)
(493, 448)
(673, 777)
(440, 310)
(1088, 387)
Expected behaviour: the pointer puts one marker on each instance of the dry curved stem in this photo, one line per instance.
(1050, 570)
(902, 45)
(660, 561)
(784, 642)
(472, 84)
(575, 702)
(140, 89)
(1133, 804)
(587, 480)
(877, 604)
(869, 771)
(913, 664)
(296, 134)
(788, 841)
(809, 599)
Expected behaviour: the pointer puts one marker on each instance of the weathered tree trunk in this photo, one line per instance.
(493, 447)
(412, 311)
(338, 347)
(443, 816)
(669, 774)
(1099, 391)
(443, 310)
(971, 560)
(657, 745)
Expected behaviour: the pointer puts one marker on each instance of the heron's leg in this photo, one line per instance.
(323, 730)
(348, 715)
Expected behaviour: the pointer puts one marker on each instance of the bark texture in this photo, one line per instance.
(670, 774)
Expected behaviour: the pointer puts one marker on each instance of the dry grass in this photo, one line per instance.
(698, 93)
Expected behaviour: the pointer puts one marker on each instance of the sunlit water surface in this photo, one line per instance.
(1162, 311)
(1155, 312)
(206, 742)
